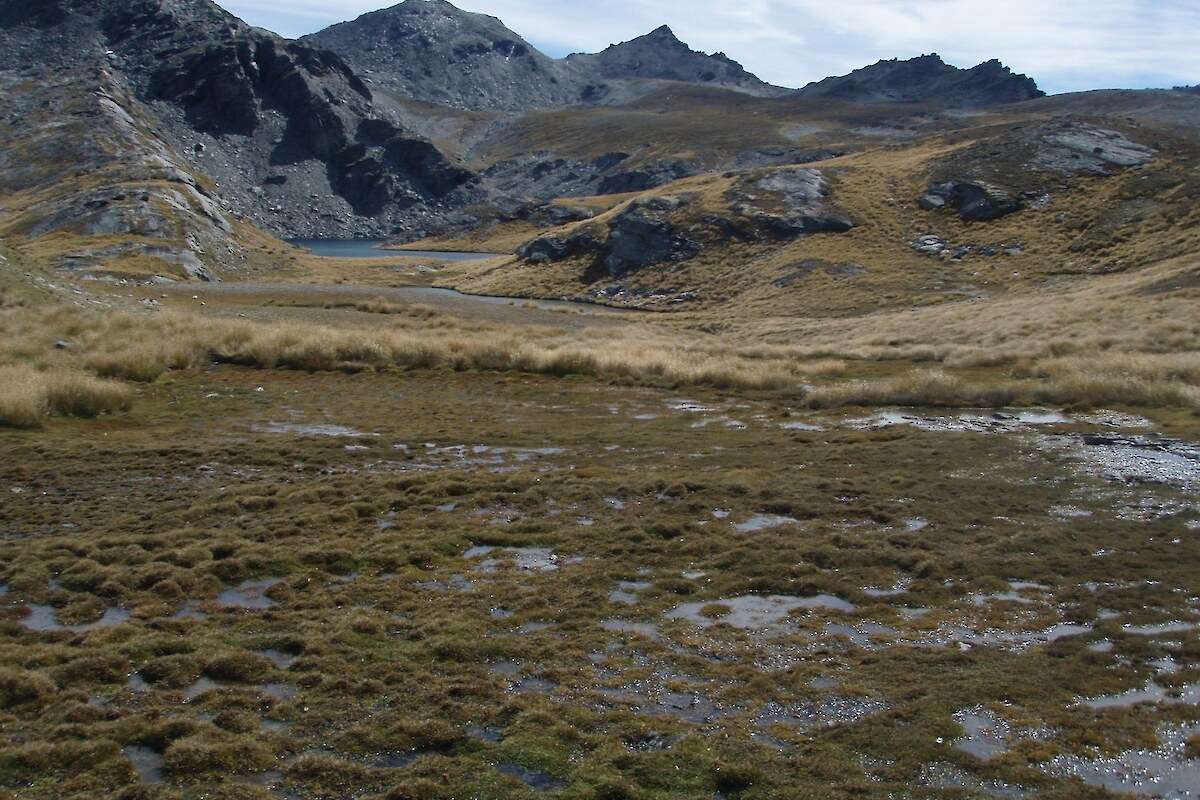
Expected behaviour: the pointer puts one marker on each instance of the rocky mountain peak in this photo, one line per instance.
(431, 50)
(660, 34)
(661, 55)
(927, 78)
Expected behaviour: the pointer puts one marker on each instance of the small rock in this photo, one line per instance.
(932, 202)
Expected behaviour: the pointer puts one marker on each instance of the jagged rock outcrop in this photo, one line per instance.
(644, 178)
(643, 235)
(556, 248)
(927, 78)
(639, 236)
(287, 131)
(765, 208)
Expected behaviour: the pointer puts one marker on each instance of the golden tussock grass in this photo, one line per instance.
(1073, 387)
(924, 388)
(1106, 342)
(27, 395)
(22, 397)
(76, 394)
(1063, 371)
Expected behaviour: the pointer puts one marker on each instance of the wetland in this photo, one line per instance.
(433, 583)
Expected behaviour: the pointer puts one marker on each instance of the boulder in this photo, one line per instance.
(932, 202)
(556, 248)
(641, 236)
(975, 201)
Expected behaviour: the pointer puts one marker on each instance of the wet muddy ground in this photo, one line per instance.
(427, 584)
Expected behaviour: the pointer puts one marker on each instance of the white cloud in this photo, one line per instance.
(1066, 45)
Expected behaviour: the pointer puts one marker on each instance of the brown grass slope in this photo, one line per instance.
(1087, 295)
(1072, 224)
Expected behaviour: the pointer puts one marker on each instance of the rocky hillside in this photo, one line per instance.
(927, 78)
(279, 133)
(875, 206)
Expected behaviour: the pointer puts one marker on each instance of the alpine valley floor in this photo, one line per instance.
(325, 570)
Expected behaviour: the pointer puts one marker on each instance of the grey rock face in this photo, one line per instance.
(780, 205)
(525, 188)
(64, 123)
(645, 178)
(276, 124)
(789, 202)
(641, 236)
(927, 78)
(554, 248)
(975, 201)
(1083, 149)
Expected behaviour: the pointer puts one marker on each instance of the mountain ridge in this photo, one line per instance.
(434, 52)
(924, 78)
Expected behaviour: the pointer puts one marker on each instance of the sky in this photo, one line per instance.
(1065, 45)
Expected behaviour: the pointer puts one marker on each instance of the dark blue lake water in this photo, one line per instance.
(369, 248)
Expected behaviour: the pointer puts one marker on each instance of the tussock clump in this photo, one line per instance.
(1132, 379)
(239, 666)
(174, 670)
(336, 775)
(924, 388)
(1090, 389)
(97, 668)
(225, 753)
(132, 365)
(1192, 748)
(23, 402)
(27, 396)
(79, 395)
(1081, 386)
(237, 721)
(19, 687)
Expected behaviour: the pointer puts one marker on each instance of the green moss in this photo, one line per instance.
(239, 666)
(23, 688)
